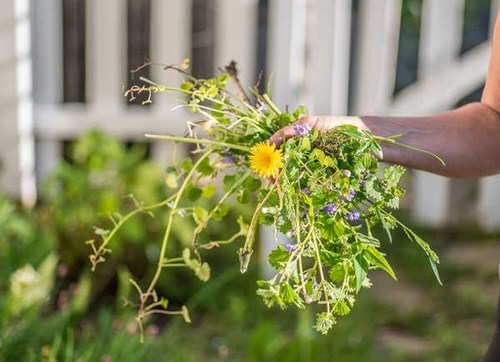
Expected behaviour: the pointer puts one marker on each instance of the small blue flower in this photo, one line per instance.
(302, 130)
(349, 197)
(330, 208)
(290, 247)
(228, 160)
(352, 216)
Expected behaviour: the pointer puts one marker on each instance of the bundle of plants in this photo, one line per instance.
(326, 191)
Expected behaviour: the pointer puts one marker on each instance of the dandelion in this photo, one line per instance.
(265, 159)
(302, 129)
(330, 208)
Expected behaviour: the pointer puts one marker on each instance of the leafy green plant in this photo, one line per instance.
(322, 189)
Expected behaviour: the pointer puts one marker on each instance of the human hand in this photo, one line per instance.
(320, 123)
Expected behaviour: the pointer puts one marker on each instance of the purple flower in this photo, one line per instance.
(302, 129)
(330, 208)
(228, 160)
(349, 197)
(306, 190)
(351, 216)
(290, 247)
(362, 182)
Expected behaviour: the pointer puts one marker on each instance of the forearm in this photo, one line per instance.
(467, 139)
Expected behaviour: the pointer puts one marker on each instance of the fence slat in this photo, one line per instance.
(16, 118)
(444, 87)
(286, 50)
(489, 210)
(170, 44)
(47, 77)
(443, 17)
(170, 41)
(377, 50)
(106, 54)
(235, 37)
(329, 29)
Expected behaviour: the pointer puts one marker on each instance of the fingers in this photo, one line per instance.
(291, 130)
(283, 134)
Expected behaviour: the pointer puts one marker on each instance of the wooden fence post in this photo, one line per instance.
(329, 48)
(16, 118)
(47, 77)
(170, 44)
(377, 51)
(236, 37)
(442, 17)
(106, 55)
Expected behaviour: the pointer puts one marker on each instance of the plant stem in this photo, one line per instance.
(169, 223)
(198, 141)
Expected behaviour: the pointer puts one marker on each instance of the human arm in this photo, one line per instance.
(467, 138)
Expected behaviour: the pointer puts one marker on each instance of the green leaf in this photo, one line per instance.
(378, 259)
(341, 309)
(203, 272)
(200, 216)
(205, 168)
(384, 224)
(187, 164)
(208, 191)
(252, 184)
(324, 322)
(228, 182)
(243, 197)
(278, 257)
(193, 193)
(392, 175)
(171, 180)
(337, 273)
(187, 86)
(286, 294)
(219, 212)
(361, 271)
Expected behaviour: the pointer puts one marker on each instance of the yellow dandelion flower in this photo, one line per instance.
(265, 159)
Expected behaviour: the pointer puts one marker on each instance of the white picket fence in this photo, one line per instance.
(309, 55)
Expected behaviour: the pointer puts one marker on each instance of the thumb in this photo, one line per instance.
(282, 135)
